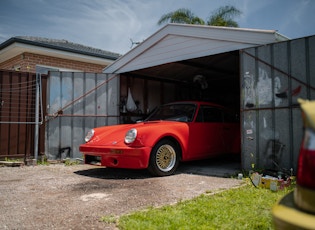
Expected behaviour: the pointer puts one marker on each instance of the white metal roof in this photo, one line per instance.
(176, 42)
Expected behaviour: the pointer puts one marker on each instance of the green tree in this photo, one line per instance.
(182, 15)
(221, 17)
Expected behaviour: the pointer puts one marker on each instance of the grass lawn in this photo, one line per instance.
(245, 207)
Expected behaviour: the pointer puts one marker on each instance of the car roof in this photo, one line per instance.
(196, 102)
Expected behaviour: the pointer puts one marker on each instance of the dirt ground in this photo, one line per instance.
(76, 197)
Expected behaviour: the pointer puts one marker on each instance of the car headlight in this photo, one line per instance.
(130, 136)
(89, 135)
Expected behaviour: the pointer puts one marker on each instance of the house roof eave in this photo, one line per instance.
(16, 46)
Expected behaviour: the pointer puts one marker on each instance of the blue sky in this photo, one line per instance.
(110, 24)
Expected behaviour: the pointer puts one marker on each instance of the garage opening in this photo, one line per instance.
(214, 78)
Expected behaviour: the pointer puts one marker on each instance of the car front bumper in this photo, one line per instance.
(132, 158)
(286, 215)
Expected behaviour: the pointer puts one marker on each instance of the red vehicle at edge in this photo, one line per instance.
(180, 131)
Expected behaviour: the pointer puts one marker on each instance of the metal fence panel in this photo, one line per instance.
(18, 113)
(78, 102)
(273, 77)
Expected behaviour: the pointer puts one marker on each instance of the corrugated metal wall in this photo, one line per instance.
(273, 77)
(76, 103)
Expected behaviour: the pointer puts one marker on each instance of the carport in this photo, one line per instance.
(186, 62)
(177, 59)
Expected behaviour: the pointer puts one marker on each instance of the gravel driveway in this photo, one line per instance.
(75, 197)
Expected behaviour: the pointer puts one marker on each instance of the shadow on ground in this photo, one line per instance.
(223, 166)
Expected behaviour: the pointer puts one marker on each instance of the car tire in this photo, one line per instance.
(164, 158)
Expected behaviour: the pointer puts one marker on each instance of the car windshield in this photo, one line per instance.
(174, 112)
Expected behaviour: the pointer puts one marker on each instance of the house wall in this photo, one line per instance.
(273, 77)
(27, 63)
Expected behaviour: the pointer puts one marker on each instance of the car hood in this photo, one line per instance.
(115, 135)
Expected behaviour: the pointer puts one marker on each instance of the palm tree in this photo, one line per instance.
(182, 15)
(221, 17)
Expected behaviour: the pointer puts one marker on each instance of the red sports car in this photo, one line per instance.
(181, 131)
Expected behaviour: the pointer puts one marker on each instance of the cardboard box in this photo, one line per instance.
(269, 182)
(265, 182)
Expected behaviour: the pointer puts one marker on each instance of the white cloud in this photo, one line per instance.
(105, 24)
(110, 24)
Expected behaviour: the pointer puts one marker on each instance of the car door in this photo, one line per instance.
(205, 137)
(231, 132)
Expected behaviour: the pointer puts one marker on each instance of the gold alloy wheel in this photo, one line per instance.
(166, 158)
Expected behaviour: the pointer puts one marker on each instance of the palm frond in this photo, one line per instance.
(223, 17)
(182, 15)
